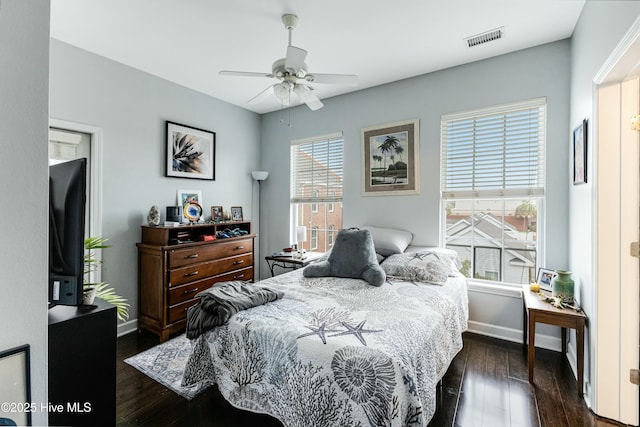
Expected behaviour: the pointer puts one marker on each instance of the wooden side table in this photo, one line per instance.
(291, 263)
(537, 310)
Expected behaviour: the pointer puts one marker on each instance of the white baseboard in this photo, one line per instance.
(127, 327)
(513, 335)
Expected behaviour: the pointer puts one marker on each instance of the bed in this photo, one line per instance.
(337, 351)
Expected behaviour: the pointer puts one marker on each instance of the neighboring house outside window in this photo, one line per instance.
(316, 189)
(493, 189)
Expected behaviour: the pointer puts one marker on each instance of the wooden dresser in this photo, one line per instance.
(176, 263)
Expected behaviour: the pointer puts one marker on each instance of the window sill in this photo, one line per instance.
(494, 289)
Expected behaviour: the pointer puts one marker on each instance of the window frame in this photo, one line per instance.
(503, 195)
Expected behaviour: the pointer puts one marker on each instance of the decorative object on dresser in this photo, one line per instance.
(153, 217)
(236, 213)
(191, 152)
(191, 202)
(391, 160)
(175, 263)
(216, 213)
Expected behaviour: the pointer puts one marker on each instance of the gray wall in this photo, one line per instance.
(24, 117)
(531, 73)
(131, 108)
(600, 28)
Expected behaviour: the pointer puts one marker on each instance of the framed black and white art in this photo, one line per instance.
(15, 392)
(191, 152)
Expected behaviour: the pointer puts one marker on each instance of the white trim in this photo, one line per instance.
(619, 65)
(496, 109)
(96, 168)
(495, 289)
(125, 328)
(513, 335)
(327, 137)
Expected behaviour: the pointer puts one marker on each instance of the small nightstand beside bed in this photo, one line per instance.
(338, 351)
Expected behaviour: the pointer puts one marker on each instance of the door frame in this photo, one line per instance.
(95, 180)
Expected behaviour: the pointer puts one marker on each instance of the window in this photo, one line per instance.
(492, 188)
(314, 238)
(331, 235)
(316, 184)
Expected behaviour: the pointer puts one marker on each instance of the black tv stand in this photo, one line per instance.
(82, 364)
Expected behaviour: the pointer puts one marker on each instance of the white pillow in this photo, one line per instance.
(389, 241)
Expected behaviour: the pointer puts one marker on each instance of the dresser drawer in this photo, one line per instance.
(178, 294)
(179, 311)
(200, 253)
(195, 272)
(182, 293)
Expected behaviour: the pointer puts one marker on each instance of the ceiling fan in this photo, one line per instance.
(293, 75)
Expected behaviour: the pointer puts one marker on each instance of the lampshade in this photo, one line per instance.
(259, 175)
(301, 233)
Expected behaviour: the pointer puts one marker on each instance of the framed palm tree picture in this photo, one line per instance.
(191, 152)
(390, 155)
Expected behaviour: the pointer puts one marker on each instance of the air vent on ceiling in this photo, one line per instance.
(486, 37)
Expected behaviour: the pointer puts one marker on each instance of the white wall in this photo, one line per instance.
(600, 28)
(24, 118)
(531, 73)
(131, 107)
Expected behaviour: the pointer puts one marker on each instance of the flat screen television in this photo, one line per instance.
(67, 201)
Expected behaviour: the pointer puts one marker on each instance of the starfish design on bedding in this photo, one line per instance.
(420, 256)
(356, 331)
(319, 331)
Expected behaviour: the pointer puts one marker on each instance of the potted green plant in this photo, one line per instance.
(100, 290)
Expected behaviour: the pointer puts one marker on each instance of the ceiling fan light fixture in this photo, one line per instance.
(281, 90)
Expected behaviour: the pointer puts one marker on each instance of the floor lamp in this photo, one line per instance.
(259, 176)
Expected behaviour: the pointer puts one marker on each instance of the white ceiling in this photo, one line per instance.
(189, 41)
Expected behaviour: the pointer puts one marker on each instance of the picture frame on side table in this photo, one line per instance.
(236, 213)
(391, 159)
(544, 278)
(191, 202)
(15, 392)
(217, 214)
(580, 154)
(190, 152)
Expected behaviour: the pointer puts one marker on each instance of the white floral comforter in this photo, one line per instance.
(337, 352)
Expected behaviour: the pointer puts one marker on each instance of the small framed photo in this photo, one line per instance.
(191, 202)
(580, 154)
(217, 214)
(544, 278)
(15, 392)
(191, 152)
(236, 213)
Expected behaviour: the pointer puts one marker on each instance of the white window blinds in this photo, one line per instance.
(317, 169)
(494, 152)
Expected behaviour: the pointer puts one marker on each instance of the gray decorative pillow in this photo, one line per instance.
(388, 241)
(422, 266)
(352, 256)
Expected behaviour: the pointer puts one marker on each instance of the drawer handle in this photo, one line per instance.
(239, 276)
(238, 247)
(238, 262)
(191, 291)
(191, 256)
(195, 273)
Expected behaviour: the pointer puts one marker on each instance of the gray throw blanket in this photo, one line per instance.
(221, 301)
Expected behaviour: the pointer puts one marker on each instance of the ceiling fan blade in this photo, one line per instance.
(306, 95)
(338, 79)
(244, 74)
(295, 58)
(261, 96)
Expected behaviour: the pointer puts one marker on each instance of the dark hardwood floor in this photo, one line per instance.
(486, 385)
